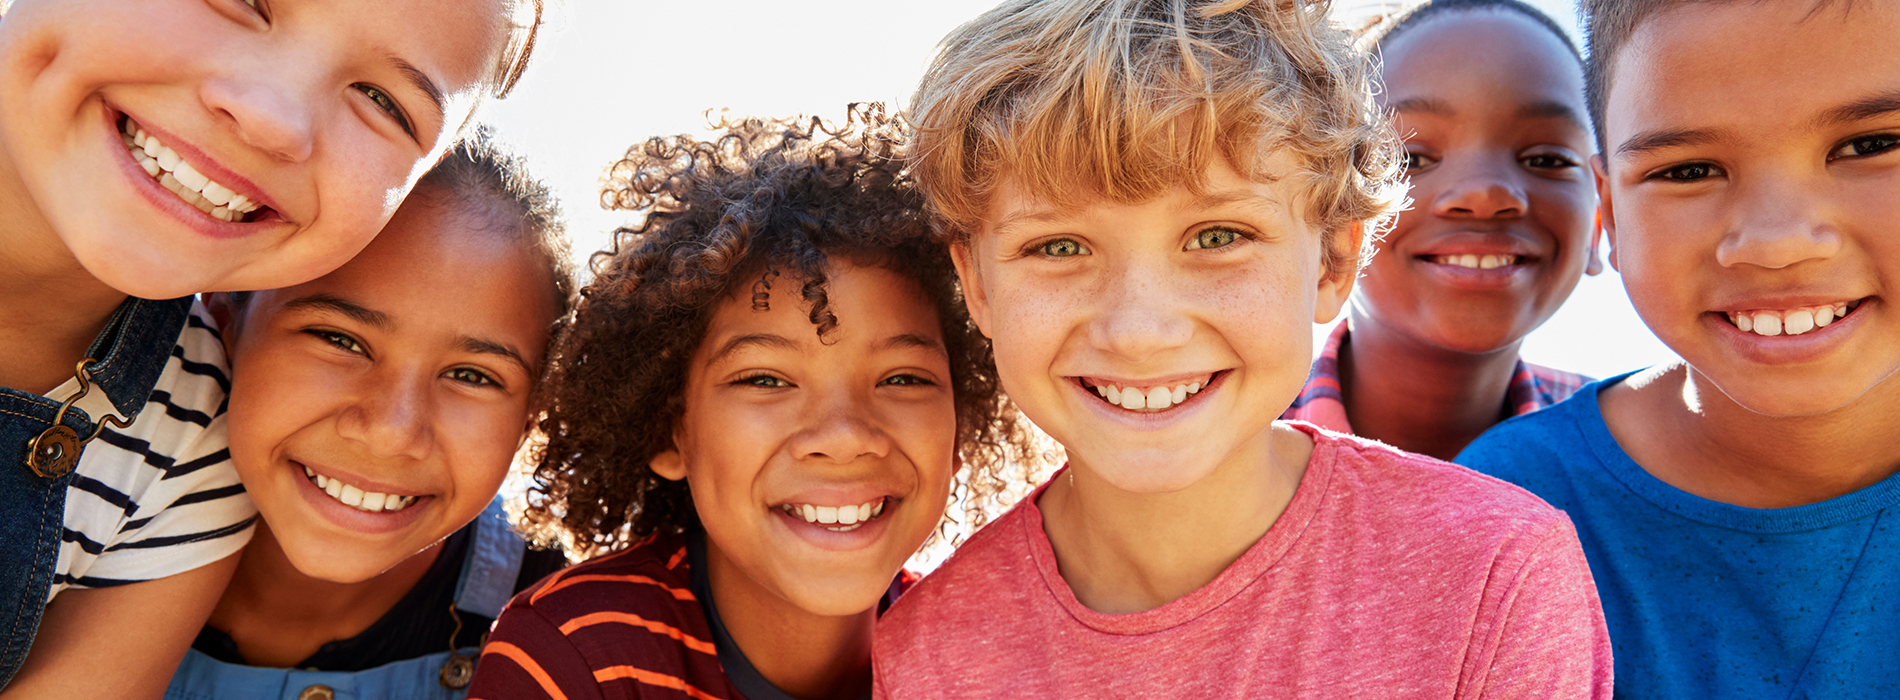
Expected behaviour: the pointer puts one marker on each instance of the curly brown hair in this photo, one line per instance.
(765, 199)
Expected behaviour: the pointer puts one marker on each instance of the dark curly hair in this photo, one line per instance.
(764, 200)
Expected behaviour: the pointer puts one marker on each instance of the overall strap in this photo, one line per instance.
(493, 564)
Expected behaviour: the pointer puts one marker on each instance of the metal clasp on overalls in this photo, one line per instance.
(55, 451)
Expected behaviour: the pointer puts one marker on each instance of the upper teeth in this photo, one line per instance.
(1482, 262)
(178, 176)
(1791, 321)
(357, 498)
(1149, 400)
(846, 517)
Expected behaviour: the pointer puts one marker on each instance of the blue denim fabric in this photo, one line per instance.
(132, 352)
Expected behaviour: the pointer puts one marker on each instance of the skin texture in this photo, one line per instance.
(281, 105)
(1175, 289)
(775, 416)
(1776, 190)
(408, 378)
(1491, 106)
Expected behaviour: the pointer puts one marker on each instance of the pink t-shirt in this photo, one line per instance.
(1390, 575)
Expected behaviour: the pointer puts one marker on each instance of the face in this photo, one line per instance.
(1501, 227)
(818, 466)
(1751, 188)
(1154, 340)
(375, 410)
(178, 146)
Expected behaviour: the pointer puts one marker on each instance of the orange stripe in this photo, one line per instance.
(679, 593)
(677, 556)
(521, 658)
(600, 618)
(650, 678)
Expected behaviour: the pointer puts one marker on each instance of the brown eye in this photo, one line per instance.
(1687, 172)
(384, 102)
(1863, 146)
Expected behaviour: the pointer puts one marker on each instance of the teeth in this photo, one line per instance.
(181, 178)
(846, 518)
(1134, 400)
(357, 498)
(1152, 399)
(1791, 321)
(1481, 262)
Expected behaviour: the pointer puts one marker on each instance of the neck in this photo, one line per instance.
(50, 307)
(1683, 430)
(1419, 397)
(280, 616)
(805, 654)
(1124, 552)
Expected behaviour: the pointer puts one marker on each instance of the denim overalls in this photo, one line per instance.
(131, 354)
(487, 582)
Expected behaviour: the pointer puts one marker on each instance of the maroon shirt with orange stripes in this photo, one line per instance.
(633, 624)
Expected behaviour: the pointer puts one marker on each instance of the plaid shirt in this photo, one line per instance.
(1322, 403)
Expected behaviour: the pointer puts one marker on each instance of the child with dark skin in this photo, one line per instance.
(1488, 95)
(1737, 506)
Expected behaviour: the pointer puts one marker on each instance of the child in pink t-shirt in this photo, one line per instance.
(1147, 205)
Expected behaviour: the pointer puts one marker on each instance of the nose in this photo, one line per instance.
(840, 431)
(1781, 222)
(1141, 315)
(272, 110)
(390, 417)
(1483, 189)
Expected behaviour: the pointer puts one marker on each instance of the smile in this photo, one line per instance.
(1772, 322)
(366, 501)
(836, 518)
(1147, 399)
(1477, 262)
(173, 173)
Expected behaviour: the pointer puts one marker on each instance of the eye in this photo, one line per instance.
(1060, 248)
(385, 102)
(763, 381)
(1548, 161)
(1213, 237)
(906, 380)
(1415, 161)
(472, 376)
(341, 341)
(1686, 172)
(1863, 146)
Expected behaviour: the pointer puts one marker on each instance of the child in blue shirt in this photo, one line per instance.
(1739, 508)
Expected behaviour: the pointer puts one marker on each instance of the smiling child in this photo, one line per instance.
(150, 150)
(374, 412)
(1489, 97)
(1149, 203)
(763, 404)
(1738, 507)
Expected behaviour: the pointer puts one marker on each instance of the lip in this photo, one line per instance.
(350, 518)
(1478, 243)
(1783, 350)
(1782, 302)
(815, 534)
(1170, 380)
(1159, 420)
(164, 200)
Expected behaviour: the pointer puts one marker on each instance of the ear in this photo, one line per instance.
(669, 465)
(227, 314)
(1335, 286)
(1606, 216)
(976, 298)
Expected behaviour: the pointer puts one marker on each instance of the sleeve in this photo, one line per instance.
(1549, 640)
(527, 657)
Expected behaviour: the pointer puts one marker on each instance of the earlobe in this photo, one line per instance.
(669, 465)
(975, 298)
(1335, 286)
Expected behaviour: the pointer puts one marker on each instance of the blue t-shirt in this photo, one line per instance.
(1706, 599)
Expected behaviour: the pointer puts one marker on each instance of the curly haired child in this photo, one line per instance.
(760, 408)
(151, 150)
(1149, 203)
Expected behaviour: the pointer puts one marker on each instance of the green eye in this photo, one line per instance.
(384, 102)
(1061, 248)
(1211, 238)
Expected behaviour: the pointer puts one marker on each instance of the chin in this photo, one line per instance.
(842, 596)
(1136, 472)
(1792, 397)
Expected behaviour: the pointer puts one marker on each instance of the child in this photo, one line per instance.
(761, 404)
(1148, 204)
(1738, 507)
(150, 150)
(411, 369)
(1489, 97)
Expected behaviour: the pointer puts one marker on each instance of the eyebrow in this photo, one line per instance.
(336, 304)
(489, 347)
(1548, 109)
(1667, 138)
(763, 340)
(420, 81)
(912, 340)
(1864, 108)
(1014, 221)
(1425, 105)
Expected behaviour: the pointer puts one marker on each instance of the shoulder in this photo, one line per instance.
(984, 573)
(653, 572)
(1429, 497)
(1532, 444)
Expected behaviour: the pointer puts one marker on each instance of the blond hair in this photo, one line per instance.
(1125, 99)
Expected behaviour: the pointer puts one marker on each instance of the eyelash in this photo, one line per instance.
(1238, 236)
(385, 102)
(1561, 161)
(1414, 161)
(763, 381)
(1042, 248)
(1676, 173)
(908, 380)
(480, 378)
(1887, 142)
(340, 341)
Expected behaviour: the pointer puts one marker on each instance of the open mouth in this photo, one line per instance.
(366, 501)
(1147, 399)
(1476, 262)
(837, 518)
(173, 173)
(1796, 321)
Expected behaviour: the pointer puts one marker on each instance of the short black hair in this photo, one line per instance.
(1405, 20)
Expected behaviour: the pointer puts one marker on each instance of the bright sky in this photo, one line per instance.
(610, 73)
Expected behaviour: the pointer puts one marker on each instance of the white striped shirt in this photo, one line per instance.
(159, 497)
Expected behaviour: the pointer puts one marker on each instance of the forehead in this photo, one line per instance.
(455, 42)
(1275, 186)
(871, 304)
(1755, 69)
(1482, 56)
